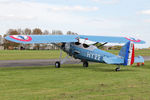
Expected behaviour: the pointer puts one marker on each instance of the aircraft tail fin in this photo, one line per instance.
(127, 52)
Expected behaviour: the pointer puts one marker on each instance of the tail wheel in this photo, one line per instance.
(85, 64)
(138, 64)
(117, 69)
(57, 64)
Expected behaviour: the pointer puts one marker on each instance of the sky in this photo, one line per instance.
(85, 17)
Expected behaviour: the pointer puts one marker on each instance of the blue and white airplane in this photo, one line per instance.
(82, 47)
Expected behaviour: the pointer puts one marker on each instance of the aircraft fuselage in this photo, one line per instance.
(85, 52)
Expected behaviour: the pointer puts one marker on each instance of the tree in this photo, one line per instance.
(8, 44)
(57, 32)
(1, 40)
(27, 31)
(46, 32)
(19, 31)
(117, 47)
(37, 31)
(71, 33)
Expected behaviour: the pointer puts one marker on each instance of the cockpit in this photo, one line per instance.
(85, 46)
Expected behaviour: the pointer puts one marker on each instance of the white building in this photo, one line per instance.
(1, 40)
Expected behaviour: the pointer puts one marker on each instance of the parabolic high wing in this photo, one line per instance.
(29, 39)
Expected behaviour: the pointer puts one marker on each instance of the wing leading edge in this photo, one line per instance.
(29, 39)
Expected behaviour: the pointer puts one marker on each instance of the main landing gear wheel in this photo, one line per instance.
(85, 64)
(57, 64)
(117, 69)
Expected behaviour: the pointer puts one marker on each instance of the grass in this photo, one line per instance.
(137, 52)
(47, 54)
(29, 54)
(73, 82)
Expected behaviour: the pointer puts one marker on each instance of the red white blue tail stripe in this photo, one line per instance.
(129, 58)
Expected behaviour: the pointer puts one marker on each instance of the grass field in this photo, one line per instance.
(46, 54)
(29, 54)
(73, 82)
(137, 52)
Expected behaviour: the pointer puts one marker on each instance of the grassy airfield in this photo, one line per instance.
(47, 54)
(73, 82)
(29, 54)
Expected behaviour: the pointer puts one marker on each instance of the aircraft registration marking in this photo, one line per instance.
(93, 56)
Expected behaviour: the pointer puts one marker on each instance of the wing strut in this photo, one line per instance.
(101, 44)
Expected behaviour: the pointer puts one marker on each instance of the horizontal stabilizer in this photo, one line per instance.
(114, 60)
(138, 59)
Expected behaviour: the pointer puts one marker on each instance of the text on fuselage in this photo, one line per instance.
(93, 56)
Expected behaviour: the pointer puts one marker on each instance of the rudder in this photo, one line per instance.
(128, 53)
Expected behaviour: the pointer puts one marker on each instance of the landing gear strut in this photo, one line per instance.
(61, 61)
(117, 69)
(85, 64)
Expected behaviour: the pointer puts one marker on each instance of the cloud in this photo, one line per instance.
(145, 12)
(73, 8)
(147, 20)
(13, 17)
(107, 1)
(28, 10)
(104, 23)
(31, 14)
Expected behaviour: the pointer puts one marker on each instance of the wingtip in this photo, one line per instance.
(7, 37)
(143, 42)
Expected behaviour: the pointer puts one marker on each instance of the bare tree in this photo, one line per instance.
(46, 32)
(1, 40)
(20, 31)
(57, 32)
(71, 33)
(37, 31)
(8, 44)
(27, 31)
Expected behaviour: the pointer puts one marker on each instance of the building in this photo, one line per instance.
(1, 40)
(1, 43)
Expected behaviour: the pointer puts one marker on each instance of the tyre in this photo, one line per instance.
(57, 64)
(117, 69)
(85, 64)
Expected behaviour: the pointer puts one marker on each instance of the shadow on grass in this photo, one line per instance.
(146, 66)
(93, 67)
(99, 68)
(110, 70)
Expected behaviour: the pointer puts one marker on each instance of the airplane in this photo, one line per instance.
(83, 47)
